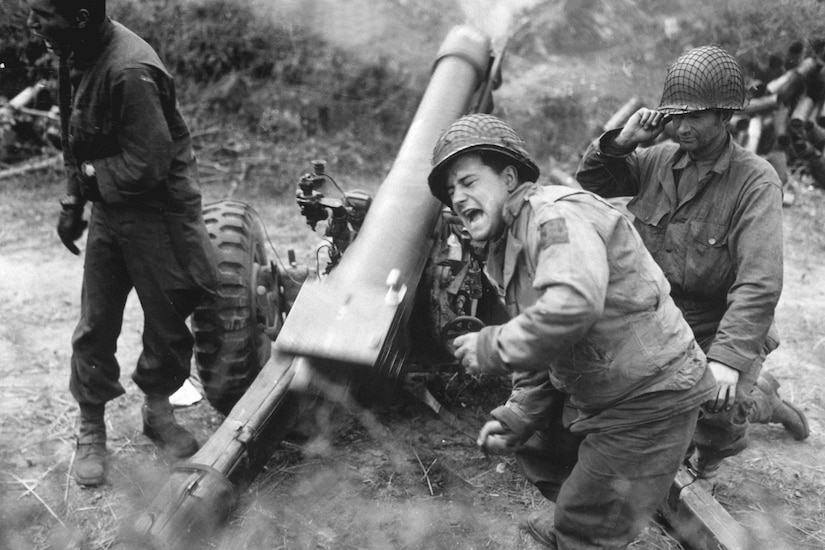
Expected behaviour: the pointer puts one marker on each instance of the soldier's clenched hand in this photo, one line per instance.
(726, 380)
(496, 438)
(70, 224)
(466, 351)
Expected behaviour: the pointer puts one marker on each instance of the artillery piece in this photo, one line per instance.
(403, 279)
(392, 297)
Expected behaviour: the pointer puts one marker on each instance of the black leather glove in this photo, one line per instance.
(70, 225)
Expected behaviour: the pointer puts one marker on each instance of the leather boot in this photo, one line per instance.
(90, 458)
(159, 425)
(703, 467)
(541, 527)
(770, 408)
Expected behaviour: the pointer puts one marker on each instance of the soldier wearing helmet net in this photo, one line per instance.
(601, 359)
(710, 212)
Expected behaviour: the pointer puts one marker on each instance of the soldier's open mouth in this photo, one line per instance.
(472, 214)
(45, 40)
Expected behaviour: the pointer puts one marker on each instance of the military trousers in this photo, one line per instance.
(129, 247)
(607, 482)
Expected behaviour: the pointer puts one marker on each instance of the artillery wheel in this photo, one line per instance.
(230, 343)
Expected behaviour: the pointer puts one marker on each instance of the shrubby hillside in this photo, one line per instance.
(286, 73)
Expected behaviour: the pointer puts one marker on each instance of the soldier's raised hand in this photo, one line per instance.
(642, 126)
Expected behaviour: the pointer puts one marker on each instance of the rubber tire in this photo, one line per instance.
(230, 345)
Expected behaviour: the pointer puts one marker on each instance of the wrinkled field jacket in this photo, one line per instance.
(720, 248)
(589, 307)
(125, 121)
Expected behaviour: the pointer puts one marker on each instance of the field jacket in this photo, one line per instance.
(125, 121)
(590, 308)
(720, 247)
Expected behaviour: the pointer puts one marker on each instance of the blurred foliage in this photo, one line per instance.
(238, 70)
(625, 46)
(750, 28)
(23, 57)
(206, 41)
(278, 81)
(241, 72)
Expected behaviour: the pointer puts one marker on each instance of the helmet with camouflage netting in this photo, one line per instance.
(704, 78)
(478, 132)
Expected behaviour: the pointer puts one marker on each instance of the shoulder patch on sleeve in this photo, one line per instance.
(554, 231)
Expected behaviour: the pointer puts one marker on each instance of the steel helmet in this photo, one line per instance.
(478, 132)
(704, 78)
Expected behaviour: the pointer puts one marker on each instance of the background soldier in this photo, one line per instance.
(127, 150)
(710, 212)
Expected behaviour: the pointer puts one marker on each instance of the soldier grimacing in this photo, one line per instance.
(602, 361)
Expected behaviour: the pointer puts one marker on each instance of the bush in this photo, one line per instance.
(206, 43)
(755, 29)
(290, 71)
(23, 57)
(240, 72)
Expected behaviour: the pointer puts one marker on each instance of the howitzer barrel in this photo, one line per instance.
(403, 212)
(354, 312)
(201, 493)
(351, 316)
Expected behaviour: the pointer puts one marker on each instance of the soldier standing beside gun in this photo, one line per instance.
(607, 377)
(710, 212)
(127, 150)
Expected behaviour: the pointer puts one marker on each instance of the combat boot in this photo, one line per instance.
(770, 408)
(703, 467)
(90, 458)
(541, 527)
(159, 425)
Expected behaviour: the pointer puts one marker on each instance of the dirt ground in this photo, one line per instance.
(394, 476)
(390, 476)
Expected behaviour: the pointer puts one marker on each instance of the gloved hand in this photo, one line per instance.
(70, 225)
